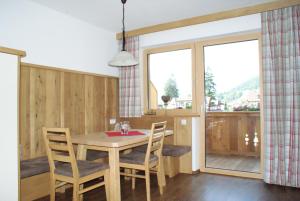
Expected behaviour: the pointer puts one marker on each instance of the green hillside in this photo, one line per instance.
(237, 92)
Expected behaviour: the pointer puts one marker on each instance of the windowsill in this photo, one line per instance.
(173, 113)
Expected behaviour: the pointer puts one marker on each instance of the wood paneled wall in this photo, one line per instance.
(146, 121)
(225, 132)
(183, 136)
(59, 98)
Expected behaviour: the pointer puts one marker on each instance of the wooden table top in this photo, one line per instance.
(103, 140)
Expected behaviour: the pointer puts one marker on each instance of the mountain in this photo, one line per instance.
(237, 92)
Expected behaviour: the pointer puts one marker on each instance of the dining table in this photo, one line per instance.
(113, 145)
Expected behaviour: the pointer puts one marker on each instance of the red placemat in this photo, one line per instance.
(118, 133)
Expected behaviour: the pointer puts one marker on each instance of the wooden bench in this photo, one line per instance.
(171, 154)
(35, 175)
(34, 178)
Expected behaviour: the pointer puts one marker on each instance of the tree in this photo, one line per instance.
(210, 85)
(171, 88)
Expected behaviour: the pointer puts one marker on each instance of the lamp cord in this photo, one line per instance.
(123, 32)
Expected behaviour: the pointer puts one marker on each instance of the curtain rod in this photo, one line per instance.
(211, 17)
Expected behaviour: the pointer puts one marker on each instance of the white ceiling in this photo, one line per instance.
(140, 13)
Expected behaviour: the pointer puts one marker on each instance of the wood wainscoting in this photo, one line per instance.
(225, 133)
(53, 97)
(183, 136)
(146, 121)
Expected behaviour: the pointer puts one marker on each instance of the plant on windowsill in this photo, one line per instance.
(166, 100)
(171, 91)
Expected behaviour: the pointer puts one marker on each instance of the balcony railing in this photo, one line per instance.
(226, 133)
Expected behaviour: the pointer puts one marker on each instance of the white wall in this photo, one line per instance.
(196, 129)
(49, 38)
(55, 39)
(9, 127)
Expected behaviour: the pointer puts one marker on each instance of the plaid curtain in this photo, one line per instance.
(281, 71)
(129, 83)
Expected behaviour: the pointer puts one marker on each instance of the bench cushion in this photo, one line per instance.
(34, 167)
(85, 168)
(175, 150)
(92, 155)
(142, 148)
(168, 150)
(136, 157)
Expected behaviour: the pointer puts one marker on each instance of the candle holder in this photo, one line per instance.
(124, 127)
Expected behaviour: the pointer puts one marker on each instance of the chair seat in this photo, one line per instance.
(92, 155)
(85, 168)
(34, 167)
(136, 157)
(168, 150)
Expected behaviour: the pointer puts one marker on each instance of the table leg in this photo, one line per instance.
(162, 172)
(114, 167)
(161, 176)
(81, 152)
(81, 155)
(128, 171)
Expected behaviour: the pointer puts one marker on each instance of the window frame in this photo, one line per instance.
(195, 85)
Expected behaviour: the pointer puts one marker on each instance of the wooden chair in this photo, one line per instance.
(151, 160)
(64, 168)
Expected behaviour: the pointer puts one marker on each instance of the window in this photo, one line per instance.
(174, 76)
(169, 84)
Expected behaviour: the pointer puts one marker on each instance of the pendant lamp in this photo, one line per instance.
(123, 58)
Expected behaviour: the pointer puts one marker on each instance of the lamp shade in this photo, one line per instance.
(123, 59)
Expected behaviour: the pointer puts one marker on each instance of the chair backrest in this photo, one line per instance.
(59, 148)
(156, 140)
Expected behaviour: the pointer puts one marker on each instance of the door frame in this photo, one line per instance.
(200, 63)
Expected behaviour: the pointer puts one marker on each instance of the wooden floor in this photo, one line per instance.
(200, 187)
(230, 162)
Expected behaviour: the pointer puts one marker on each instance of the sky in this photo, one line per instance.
(174, 63)
(232, 64)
